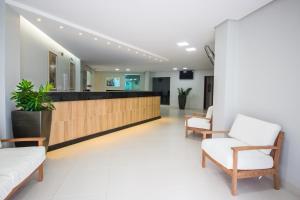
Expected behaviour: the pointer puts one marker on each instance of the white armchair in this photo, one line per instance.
(18, 164)
(252, 149)
(198, 123)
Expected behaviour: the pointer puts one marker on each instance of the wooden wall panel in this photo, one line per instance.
(75, 119)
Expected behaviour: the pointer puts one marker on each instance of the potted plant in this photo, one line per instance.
(182, 94)
(34, 115)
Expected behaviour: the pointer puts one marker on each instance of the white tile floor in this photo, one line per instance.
(152, 161)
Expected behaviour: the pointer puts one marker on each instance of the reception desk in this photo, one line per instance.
(79, 116)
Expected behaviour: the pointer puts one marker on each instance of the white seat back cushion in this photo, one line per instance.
(254, 132)
(209, 112)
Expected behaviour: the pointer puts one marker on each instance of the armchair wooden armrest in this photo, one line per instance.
(245, 148)
(202, 117)
(186, 117)
(39, 140)
(198, 114)
(235, 162)
(215, 132)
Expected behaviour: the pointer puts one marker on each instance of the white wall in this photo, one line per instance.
(100, 80)
(9, 65)
(2, 70)
(35, 47)
(267, 78)
(12, 61)
(23, 53)
(196, 96)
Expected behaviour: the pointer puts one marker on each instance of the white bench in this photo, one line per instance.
(252, 149)
(197, 123)
(18, 164)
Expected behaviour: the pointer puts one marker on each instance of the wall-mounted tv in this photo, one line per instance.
(186, 74)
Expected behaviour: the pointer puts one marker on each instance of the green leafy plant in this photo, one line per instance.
(182, 92)
(27, 99)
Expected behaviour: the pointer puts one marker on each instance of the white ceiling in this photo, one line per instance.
(150, 27)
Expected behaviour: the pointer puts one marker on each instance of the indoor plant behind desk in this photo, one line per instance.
(34, 115)
(182, 95)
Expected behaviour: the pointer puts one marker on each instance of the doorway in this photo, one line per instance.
(162, 85)
(208, 91)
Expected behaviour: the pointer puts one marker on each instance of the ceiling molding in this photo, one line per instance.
(80, 28)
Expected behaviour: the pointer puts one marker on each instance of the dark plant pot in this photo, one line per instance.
(31, 124)
(181, 102)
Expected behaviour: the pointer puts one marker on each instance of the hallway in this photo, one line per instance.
(152, 161)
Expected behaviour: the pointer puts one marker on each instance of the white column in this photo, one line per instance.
(226, 49)
(147, 81)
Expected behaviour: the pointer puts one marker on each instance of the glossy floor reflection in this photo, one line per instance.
(152, 161)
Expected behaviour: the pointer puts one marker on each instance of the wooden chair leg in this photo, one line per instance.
(40, 176)
(234, 184)
(203, 159)
(234, 175)
(276, 181)
(186, 132)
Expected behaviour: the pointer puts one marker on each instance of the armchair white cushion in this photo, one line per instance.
(220, 150)
(199, 122)
(254, 132)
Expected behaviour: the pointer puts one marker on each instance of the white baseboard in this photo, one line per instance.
(288, 186)
(291, 188)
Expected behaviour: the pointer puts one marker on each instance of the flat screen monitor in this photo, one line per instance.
(186, 74)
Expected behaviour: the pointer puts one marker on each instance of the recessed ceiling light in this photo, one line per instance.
(127, 69)
(182, 44)
(108, 43)
(61, 27)
(184, 68)
(95, 38)
(39, 19)
(136, 52)
(175, 68)
(117, 69)
(191, 49)
(80, 33)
